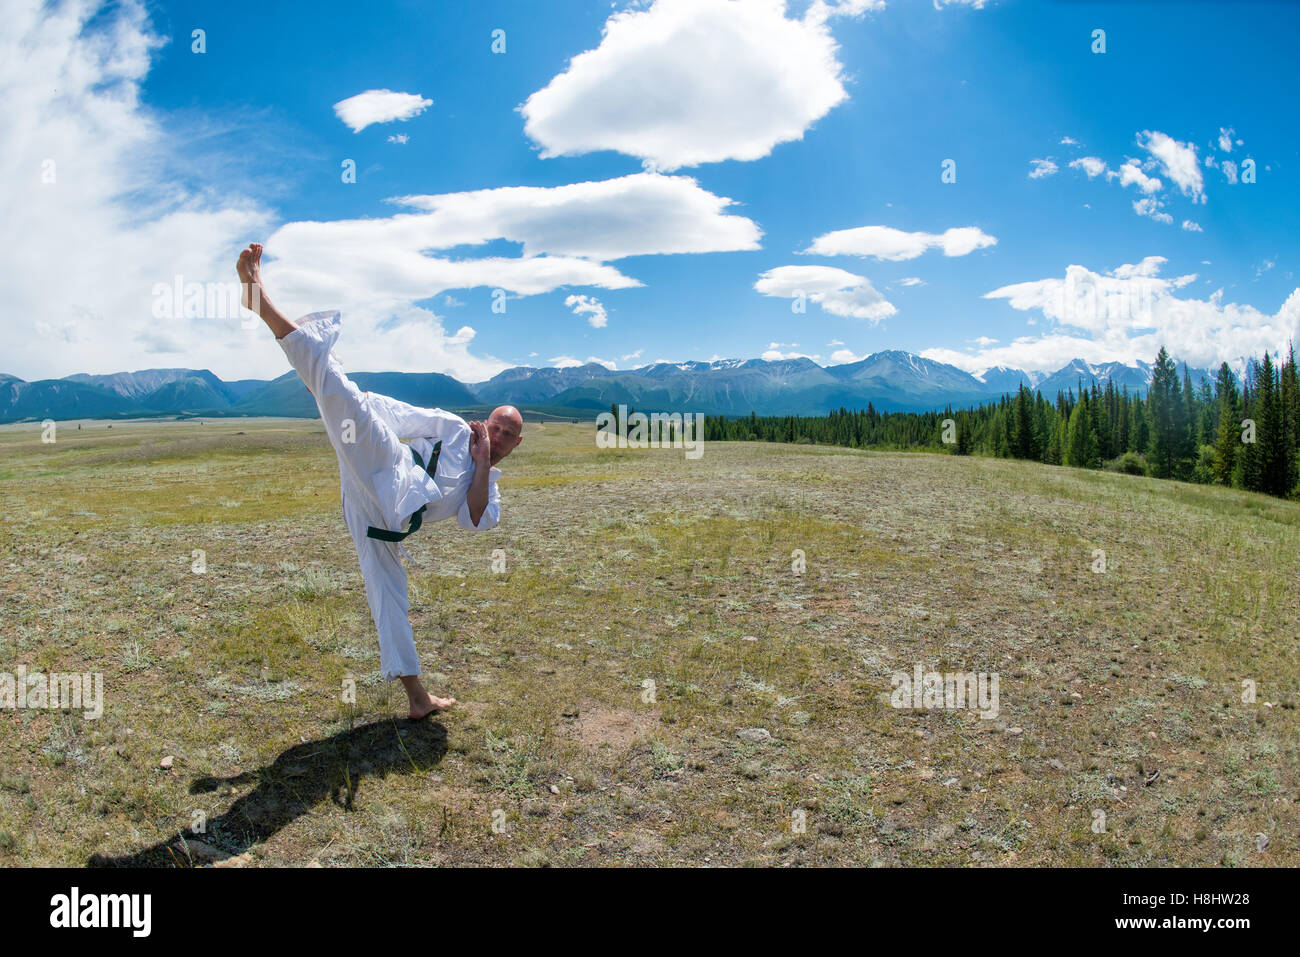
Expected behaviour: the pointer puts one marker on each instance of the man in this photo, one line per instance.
(382, 482)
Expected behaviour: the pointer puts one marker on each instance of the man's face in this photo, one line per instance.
(505, 431)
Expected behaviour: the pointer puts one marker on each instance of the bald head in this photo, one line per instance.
(505, 428)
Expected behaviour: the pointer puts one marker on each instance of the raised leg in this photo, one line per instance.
(254, 297)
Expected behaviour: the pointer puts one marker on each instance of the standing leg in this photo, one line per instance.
(386, 593)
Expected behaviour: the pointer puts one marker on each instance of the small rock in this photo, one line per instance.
(555, 789)
(167, 762)
(748, 638)
(754, 735)
(1015, 730)
(1056, 763)
(950, 782)
(943, 832)
(239, 860)
(203, 852)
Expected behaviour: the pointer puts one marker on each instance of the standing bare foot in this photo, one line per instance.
(429, 705)
(423, 703)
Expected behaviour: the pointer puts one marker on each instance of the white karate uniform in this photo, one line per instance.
(379, 481)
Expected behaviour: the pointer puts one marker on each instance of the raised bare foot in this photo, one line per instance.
(249, 268)
(429, 705)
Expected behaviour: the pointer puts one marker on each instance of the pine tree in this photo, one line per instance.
(1272, 468)
(1122, 438)
(1105, 428)
(1247, 472)
(1081, 440)
(1190, 417)
(1055, 453)
(1227, 440)
(1290, 401)
(1164, 411)
(1024, 443)
(965, 435)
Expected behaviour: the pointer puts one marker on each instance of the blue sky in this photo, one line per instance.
(824, 126)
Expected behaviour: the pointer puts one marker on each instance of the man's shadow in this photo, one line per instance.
(293, 784)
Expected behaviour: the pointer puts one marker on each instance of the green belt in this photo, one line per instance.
(383, 534)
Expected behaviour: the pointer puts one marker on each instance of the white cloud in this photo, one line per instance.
(838, 292)
(607, 363)
(911, 281)
(1177, 160)
(1069, 141)
(1091, 165)
(885, 242)
(1225, 139)
(590, 307)
(1128, 314)
(636, 215)
(653, 88)
(381, 267)
(844, 356)
(631, 355)
(973, 4)
(400, 138)
(564, 362)
(820, 10)
(773, 353)
(1150, 206)
(379, 106)
(1192, 227)
(1230, 171)
(1130, 174)
(1041, 168)
(84, 252)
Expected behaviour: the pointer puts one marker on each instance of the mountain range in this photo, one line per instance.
(891, 381)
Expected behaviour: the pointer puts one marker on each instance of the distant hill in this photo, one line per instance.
(891, 380)
(287, 396)
(58, 399)
(139, 385)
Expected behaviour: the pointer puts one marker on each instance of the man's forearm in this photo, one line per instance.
(477, 497)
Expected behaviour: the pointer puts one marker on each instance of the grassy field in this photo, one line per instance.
(649, 681)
